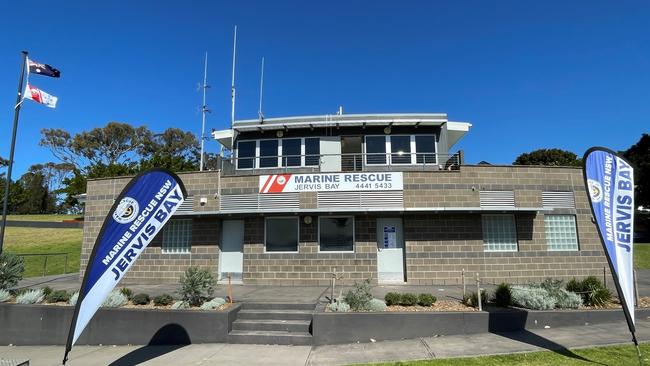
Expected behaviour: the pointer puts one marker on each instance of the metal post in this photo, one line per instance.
(204, 109)
(229, 289)
(333, 284)
(462, 276)
(605, 277)
(45, 266)
(65, 265)
(11, 151)
(478, 292)
(636, 290)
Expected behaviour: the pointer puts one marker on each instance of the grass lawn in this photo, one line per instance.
(22, 240)
(57, 218)
(611, 355)
(642, 256)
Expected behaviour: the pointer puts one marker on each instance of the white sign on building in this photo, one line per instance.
(375, 181)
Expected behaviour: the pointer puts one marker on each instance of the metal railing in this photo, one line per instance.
(355, 162)
(47, 255)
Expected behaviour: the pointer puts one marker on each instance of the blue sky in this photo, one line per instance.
(526, 74)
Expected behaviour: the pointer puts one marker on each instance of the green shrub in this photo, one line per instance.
(502, 295)
(426, 299)
(12, 268)
(30, 297)
(574, 286)
(359, 296)
(197, 285)
(4, 295)
(127, 292)
(213, 304)
(532, 297)
(57, 296)
(140, 299)
(408, 299)
(376, 305)
(553, 287)
(599, 297)
(180, 305)
(568, 300)
(339, 307)
(392, 298)
(163, 300)
(115, 299)
(46, 291)
(471, 299)
(592, 282)
(73, 299)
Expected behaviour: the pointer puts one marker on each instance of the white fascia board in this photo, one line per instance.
(224, 137)
(455, 131)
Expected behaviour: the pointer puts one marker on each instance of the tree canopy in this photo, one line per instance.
(639, 155)
(550, 157)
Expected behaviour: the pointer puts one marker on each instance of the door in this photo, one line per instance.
(390, 250)
(351, 157)
(231, 258)
(330, 150)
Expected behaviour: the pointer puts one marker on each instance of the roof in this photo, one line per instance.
(455, 129)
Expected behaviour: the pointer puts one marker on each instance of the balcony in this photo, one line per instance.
(296, 164)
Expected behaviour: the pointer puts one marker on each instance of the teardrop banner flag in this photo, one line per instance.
(609, 179)
(138, 214)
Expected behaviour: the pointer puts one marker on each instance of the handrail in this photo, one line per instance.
(46, 255)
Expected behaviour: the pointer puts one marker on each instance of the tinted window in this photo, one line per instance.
(291, 152)
(312, 151)
(425, 146)
(375, 150)
(282, 234)
(246, 154)
(268, 153)
(400, 148)
(336, 233)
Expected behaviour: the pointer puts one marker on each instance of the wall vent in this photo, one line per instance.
(497, 199)
(257, 202)
(369, 199)
(187, 207)
(558, 200)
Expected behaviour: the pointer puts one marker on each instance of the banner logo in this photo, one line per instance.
(595, 190)
(126, 211)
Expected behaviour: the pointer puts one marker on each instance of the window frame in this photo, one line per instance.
(435, 149)
(253, 158)
(575, 226)
(389, 151)
(516, 236)
(164, 235)
(297, 219)
(303, 155)
(354, 236)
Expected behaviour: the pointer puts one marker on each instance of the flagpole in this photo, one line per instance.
(11, 151)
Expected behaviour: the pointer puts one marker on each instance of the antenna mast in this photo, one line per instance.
(204, 108)
(232, 89)
(259, 112)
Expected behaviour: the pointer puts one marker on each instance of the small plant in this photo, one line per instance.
(408, 299)
(180, 305)
(392, 298)
(73, 299)
(376, 305)
(213, 304)
(471, 299)
(115, 299)
(574, 286)
(11, 270)
(57, 296)
(359, 296)
(4, 295)
(30, 297)
(127, 292)
(140, 299)
(502, 295)
(339, 307)
(163, 300)
(599, 297)
(46, 291)
(426, 299)
(197, 285)
(531, 297)
(568, 300)
(591, 282)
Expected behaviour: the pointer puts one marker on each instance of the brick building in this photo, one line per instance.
(367, 196)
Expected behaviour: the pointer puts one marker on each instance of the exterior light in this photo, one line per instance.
(279, 133)
(387, 130)
(307, 220)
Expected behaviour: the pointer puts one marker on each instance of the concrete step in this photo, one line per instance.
(276, 314)
(269, 337)
(301, 326)
(277, 306)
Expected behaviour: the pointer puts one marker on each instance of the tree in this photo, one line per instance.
(550, 157)
(639, 155)
(3, 162)
(174, 149)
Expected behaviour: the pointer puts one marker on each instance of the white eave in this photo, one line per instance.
(455, 131)
(224, 137)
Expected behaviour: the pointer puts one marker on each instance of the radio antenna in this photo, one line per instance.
(204, 108)
(232, 89)
(259, 112)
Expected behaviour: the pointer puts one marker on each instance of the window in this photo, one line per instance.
(336, 234)
(561, 232)
(281, 234)
(246, 154)
(499, 233)
(400, 148)
(177, 236)
(291, 152)
(425, 147)
(375, 150)
(268, 153)
(312, 151)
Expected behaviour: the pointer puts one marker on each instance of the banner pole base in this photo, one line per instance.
(638, 350)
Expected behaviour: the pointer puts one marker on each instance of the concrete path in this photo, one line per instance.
(558, 340)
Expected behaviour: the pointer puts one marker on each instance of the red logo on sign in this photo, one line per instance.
(275, 183)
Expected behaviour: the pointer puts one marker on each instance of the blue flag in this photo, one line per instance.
(609, 179)
(138, 214)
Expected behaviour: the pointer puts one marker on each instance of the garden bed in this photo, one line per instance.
(441, 305)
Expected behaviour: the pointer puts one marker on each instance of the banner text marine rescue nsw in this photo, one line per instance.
(137, 236)
(284, 183)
